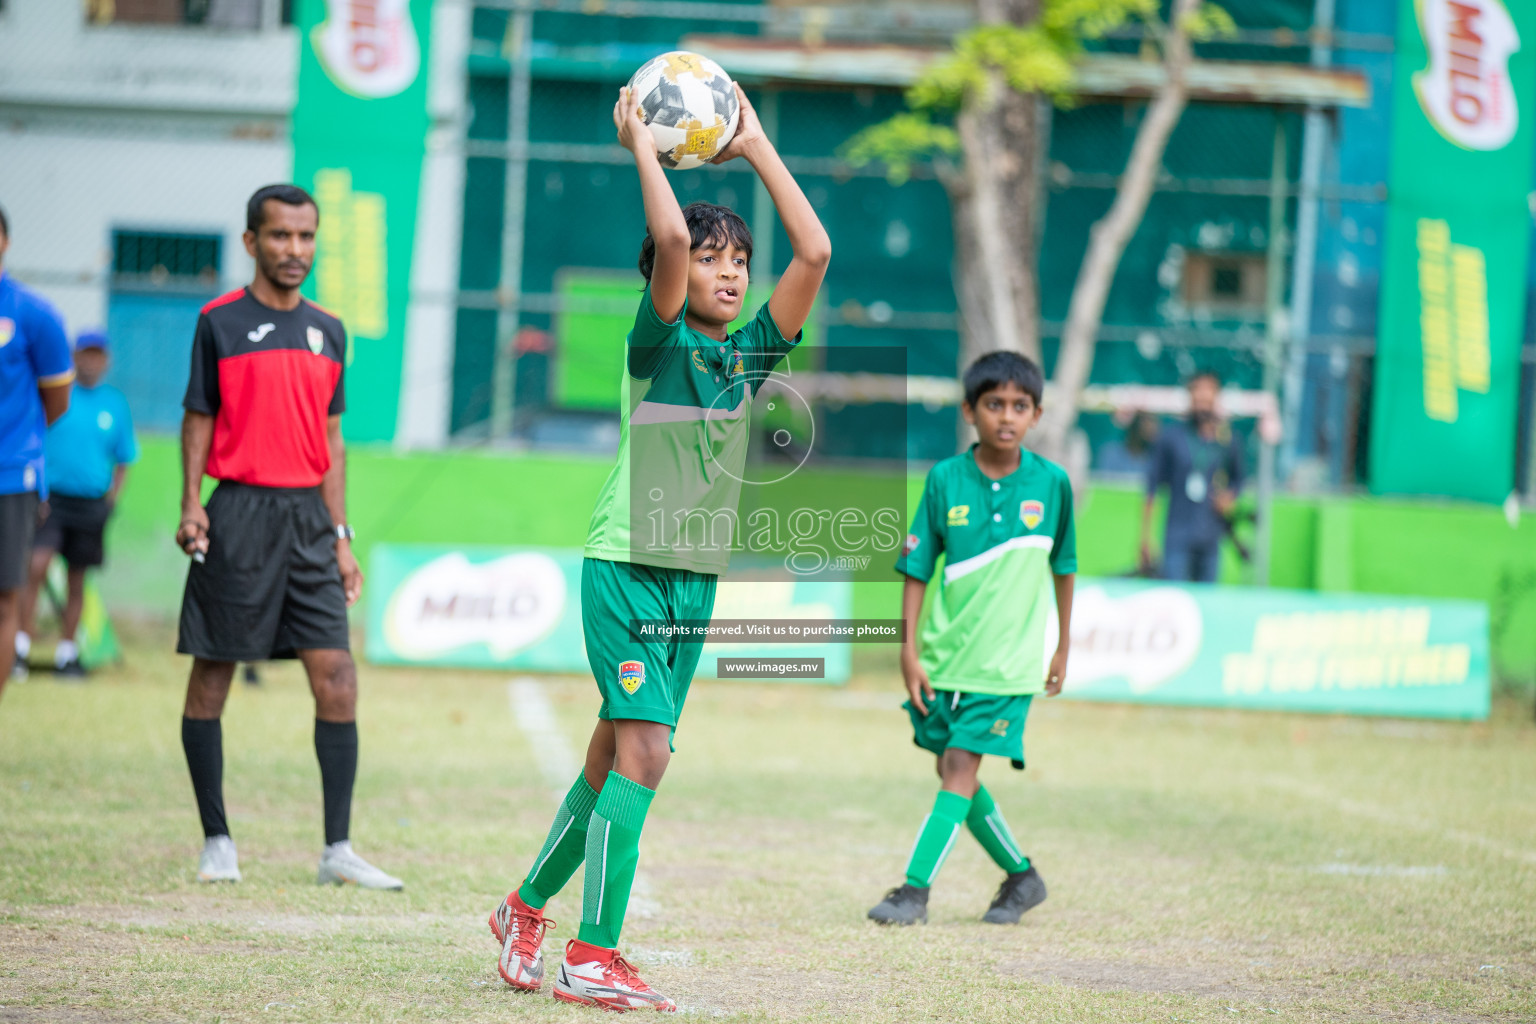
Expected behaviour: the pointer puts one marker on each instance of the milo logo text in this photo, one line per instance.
(368, 47)
(1465, 91)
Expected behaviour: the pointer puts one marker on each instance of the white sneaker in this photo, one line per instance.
(602, 977)
(339, 865)
(219, 863)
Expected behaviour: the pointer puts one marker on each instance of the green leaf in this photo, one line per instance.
(899, 142)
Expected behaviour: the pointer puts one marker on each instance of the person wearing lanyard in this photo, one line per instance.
(1201, 464)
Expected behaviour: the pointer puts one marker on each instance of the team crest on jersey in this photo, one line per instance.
(959, 515)
(7, 330)
(316, 339)
(631, 675)
(737, 366)
(698, 361)
(1032, 512)
(911, 544)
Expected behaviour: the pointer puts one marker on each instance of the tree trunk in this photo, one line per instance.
(994, 207)
(1108, 238)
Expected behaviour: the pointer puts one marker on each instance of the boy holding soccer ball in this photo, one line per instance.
(687, 394)
(1002, 518)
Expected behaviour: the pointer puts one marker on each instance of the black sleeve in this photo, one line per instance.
(339, 398)
(1157, 466)
(1236, 472)
(203, 379)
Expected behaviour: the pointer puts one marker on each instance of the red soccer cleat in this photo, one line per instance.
(520, 929)
(594, 976)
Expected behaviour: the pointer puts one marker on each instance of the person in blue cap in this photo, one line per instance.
(35, 375)
(88, 453)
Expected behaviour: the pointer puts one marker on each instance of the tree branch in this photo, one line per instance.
(1109, 236)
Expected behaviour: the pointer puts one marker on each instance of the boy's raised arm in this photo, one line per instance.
(796, 292)
(663, 217)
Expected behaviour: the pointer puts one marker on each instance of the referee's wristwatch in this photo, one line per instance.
(345, 532)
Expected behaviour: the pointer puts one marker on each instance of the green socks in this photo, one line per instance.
(936, 838)
(986, 823)
(564, 849)
(613, 849)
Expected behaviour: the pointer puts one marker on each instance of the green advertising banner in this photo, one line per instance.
(520, 608)
(359, 137)
(1281, 650)
(1458, 228)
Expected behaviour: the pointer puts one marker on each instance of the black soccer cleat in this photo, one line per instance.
(905, 904)
(1019, 892)
(71, 669)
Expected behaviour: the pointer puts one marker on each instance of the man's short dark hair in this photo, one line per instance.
(255, 210)
(708, 224)
(995, 369)
(5, 225)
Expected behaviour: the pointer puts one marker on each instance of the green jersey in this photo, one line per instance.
(1001, 541)
(685, 414)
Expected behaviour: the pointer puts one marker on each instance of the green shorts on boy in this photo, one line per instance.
(1006, 536)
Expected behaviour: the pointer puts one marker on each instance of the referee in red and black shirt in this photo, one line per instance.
(273, 570)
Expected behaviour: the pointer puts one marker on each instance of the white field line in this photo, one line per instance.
(558, 762)
(536, 717)
(1375, 812)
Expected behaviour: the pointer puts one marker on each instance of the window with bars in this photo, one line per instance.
(166, 259)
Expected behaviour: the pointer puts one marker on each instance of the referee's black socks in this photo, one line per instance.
(336, 747)
(203, 741)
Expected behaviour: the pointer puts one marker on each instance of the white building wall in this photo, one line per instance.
(132, 126)
(65, 193)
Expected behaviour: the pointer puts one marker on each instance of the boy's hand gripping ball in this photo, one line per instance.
(689, 104)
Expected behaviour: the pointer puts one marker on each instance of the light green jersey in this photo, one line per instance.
(1001, 540)
(685, 417)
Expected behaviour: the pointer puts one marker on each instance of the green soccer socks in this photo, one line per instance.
(564, 849)
(936, 838)
(613, 849)
(986, 823)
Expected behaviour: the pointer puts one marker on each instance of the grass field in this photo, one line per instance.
(1202, 865)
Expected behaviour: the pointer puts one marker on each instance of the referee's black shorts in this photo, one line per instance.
(270, 586)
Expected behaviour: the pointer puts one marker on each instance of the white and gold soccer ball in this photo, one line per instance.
(689, 103)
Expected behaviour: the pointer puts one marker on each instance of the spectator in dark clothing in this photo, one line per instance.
(1202, 466)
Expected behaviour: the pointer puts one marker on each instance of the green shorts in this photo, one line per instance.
(637, 676)
(979, 722)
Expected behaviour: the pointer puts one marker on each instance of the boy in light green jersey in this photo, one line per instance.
(685, 411)
(1002, 518)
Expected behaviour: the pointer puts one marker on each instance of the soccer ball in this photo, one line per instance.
(689, 103)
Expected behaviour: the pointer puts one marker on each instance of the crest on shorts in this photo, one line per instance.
(960, 515)
(316, 339)
(631, 675)
(911, 545)
(7, 330)
(1032, 512)
(1000, 727)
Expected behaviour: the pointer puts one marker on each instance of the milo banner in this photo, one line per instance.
(520, 608)
(1249, 647)
(1454, 270)
(359, 136)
